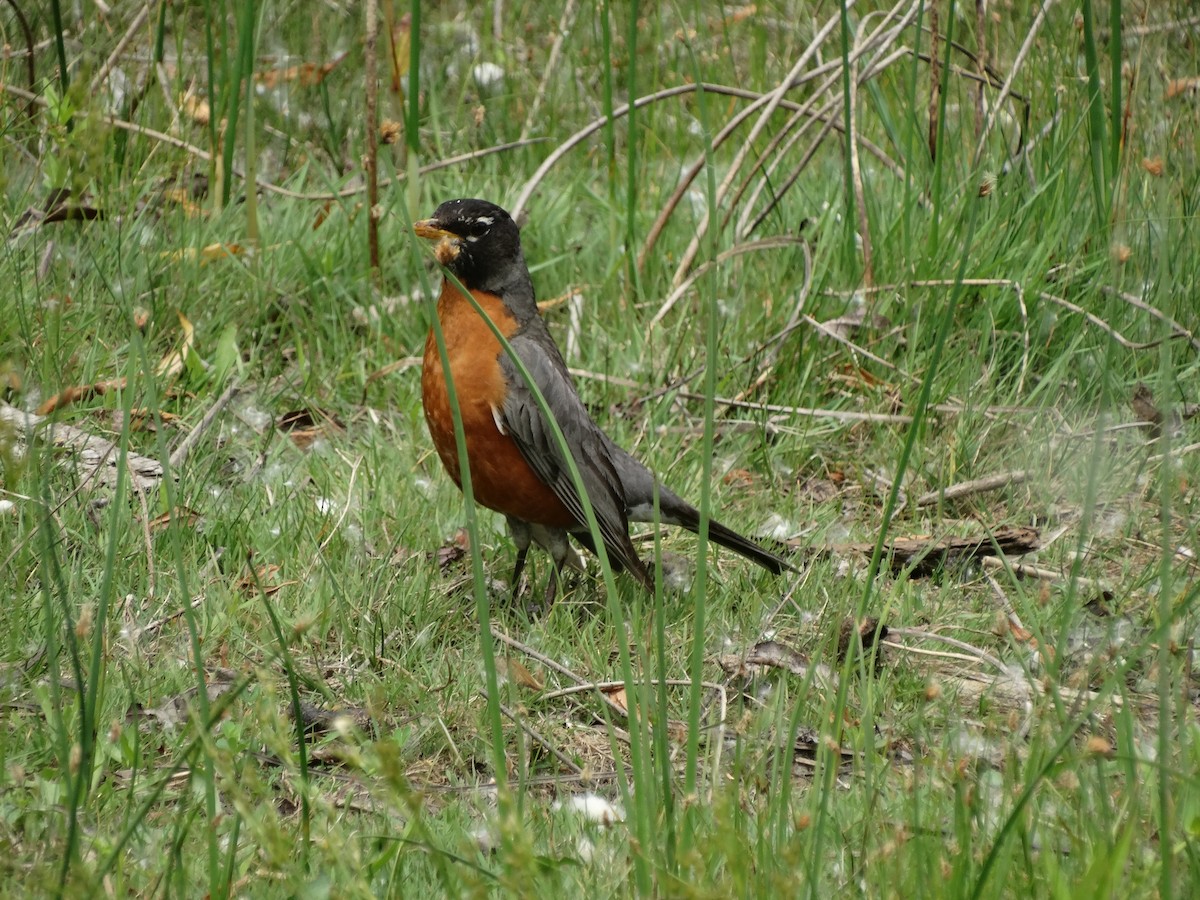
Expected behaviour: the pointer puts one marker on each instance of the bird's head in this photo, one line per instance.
(479, 243)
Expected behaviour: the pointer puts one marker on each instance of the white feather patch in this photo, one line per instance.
(498, 418)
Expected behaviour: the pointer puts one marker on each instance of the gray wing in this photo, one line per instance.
(588, 445)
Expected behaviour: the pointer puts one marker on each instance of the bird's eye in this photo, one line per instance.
(480, 226)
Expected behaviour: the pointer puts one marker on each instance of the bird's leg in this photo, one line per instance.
(559, 545)
(522, 552)
(522, 536)
(551, 587)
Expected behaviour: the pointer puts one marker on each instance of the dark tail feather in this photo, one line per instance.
(682, 513)
(727, 537)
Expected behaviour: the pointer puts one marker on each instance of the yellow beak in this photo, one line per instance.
(428, 229)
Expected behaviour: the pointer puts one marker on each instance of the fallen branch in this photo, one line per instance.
(925, 555)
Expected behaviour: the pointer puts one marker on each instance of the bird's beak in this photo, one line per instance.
(429, 229)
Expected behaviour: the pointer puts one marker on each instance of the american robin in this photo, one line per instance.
(516, 466)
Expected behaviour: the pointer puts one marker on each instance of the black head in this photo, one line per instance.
(479, 243)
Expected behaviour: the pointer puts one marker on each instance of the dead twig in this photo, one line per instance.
(856, 179)
(935, 82)
(271, 187)
(855, 349)
(1006, 88)
(534, 654)
(1153, 312)
(975, 653)
(30, 62)
(1173, 452)
(771, 243)
(978, 486)
(840, 415)
(1028, 571)
(539, 739)
(103, 72)
(1010, 613)
(1179, 330)
(551, 69)
(180, 454)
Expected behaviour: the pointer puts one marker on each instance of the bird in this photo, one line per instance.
(516, 466)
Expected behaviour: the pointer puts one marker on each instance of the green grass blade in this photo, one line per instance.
(1097, 139)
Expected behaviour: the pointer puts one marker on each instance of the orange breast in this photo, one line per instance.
(500, 477)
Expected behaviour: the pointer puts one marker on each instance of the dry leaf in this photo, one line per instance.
(742, 13)
(865, 634)
(259, 580)
(857, 378)
(172, 364)
(143, 419)
(304, 426)
(188, 517)
(318, 720)
(176, 710)
(204, 254)
(1019, 634)
(739, 478)
(323, 212)
(518, 674)
(305, 74)
(1177, 86)
(71, 395)
(10, 379)
(196, 109)
(1146, 410)
(616, 696)
(1099, 746)
(183, 198)
(455, 550)
(820, 490)
(677, 732)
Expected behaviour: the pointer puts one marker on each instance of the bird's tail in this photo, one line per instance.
(676, 511)
(729, 538)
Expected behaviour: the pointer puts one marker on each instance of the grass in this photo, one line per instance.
(158, 670)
